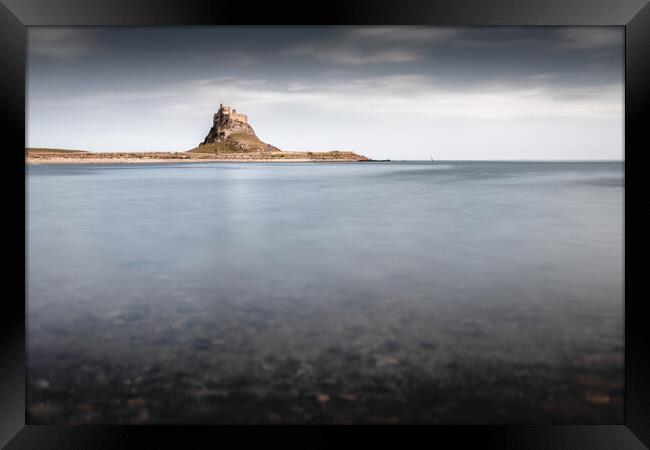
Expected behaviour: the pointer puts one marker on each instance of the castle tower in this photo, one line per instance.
(227, 121)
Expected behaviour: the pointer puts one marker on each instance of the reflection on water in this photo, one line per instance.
(418, 292)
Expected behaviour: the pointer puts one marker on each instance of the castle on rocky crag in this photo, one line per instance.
(231, 132)
(225, 122)
(231, 136)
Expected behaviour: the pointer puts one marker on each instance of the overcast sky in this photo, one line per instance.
(386, 92)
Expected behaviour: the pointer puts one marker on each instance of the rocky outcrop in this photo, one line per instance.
(231, 133)
(226, 122)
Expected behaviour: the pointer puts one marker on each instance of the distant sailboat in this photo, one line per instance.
(432, 159)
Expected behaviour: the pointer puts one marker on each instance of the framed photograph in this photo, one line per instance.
(368, 213)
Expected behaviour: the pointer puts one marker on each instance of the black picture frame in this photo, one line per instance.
(17, 15)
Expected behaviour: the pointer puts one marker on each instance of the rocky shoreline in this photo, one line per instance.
(336, 387)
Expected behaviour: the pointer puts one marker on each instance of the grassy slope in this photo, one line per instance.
(260, 150)
(229, 145)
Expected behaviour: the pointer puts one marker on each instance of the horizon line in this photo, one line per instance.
(372, 159)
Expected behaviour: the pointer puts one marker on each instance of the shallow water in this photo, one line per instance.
(442, 292)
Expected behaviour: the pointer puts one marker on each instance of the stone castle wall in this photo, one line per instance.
(240, 117)
(232, 114)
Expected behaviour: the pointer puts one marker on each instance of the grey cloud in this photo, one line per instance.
(404, 34)
(373, 44)
(58, 42)
(347, 55)
(590, 38)
(413, 95)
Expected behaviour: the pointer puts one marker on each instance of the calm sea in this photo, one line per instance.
(438, 292)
